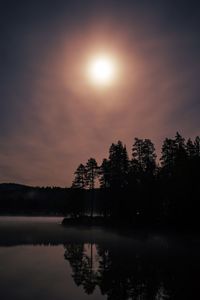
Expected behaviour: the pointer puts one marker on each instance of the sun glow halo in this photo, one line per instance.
(102, 70)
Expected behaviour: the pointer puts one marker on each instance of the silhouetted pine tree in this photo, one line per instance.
(143, 158)
(104, 173)
(143, 169)
(91, 173)
(181, 153)
(168, 156)
(190, 149)
(79, 181)
(197, 146)
(119, 165)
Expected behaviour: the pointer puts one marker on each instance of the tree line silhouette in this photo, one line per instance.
(16, 199)
(143, 189)
(140, 190)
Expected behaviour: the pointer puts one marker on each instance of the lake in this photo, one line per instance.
(40, 259)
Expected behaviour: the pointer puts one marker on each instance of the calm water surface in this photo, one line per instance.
(40, 259)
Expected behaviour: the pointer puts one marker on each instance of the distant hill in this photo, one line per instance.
(13, 186)
(23, 199)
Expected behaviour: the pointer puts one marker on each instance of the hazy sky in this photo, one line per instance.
(52, 118)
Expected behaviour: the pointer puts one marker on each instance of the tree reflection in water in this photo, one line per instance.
(127, 275)
(82, 266)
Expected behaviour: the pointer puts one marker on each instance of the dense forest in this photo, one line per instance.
(144, 189)
(141, 190)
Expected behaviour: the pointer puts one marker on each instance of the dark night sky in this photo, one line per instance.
(51, 118)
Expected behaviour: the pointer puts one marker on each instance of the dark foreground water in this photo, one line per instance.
(39, 259)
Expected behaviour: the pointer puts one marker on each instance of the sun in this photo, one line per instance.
(102, 70)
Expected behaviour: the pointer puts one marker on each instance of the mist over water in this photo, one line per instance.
(41, 259)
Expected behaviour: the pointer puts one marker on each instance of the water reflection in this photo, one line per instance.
(103, 264)
(82, 262)
(123, 275)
